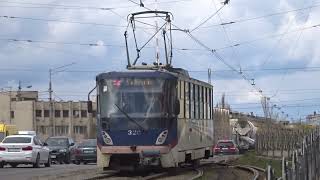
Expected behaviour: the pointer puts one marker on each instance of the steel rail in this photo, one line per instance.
(200, 174)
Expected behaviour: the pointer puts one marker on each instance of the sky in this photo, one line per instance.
(273, 44)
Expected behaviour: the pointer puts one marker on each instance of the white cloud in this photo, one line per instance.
(289, 52)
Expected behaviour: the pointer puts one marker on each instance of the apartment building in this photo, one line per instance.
(27, 112)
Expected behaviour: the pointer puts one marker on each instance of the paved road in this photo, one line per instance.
(63, 171)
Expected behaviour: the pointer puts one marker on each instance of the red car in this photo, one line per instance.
(225, 147)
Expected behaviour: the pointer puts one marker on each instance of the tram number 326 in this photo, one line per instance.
(134, 132)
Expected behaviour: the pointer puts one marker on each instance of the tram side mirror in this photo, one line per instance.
(177, 107)
(89, 104)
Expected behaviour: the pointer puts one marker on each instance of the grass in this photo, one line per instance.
(250, 158)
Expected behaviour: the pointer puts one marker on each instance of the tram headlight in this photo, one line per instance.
(162, 137)
(106, 138)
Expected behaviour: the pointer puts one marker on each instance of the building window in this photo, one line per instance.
(76, 113)
(62, 130)
(57, 113)
(65, 113)
(38, 113)
(46, 113)
(79, 129)
(42, 130)
(94, 114)
(12, 114)
(84, 113)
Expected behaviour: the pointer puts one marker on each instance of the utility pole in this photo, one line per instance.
(19, 91)
(51, 105)
(157, 38)
(51, 119)
(209, 75)
(10, 105)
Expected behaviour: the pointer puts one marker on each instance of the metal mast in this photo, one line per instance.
(157, 36)
(51, 105)
(51, 72)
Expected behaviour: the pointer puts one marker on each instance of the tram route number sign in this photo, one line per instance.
(134, 132)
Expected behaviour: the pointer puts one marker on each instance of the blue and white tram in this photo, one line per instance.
(157, 118)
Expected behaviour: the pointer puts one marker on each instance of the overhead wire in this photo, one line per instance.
(223, 61)
(235, 54)
(210, 17)
(260, 17)
(61, 20)
(295, 44)
(74, 7)
(253, 40)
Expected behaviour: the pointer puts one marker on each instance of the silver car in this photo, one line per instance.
(24, 149)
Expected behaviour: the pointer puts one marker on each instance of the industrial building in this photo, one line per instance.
(27, 112)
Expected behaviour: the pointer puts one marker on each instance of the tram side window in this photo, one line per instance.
(201, 103)
(196, 104)
(187, 100)
(209, 107)
(205, 103)
(179, 96)
(210, 104)
(182, 100)
(191, 101)
(179, 89)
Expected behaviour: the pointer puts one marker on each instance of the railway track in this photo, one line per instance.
(149, 176)
(256, 172)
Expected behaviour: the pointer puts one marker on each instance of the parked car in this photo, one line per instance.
(24, 149)
(85, 152)
(60, 148)
(225, 147)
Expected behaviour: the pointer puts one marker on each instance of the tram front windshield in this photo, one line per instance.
(131, 103)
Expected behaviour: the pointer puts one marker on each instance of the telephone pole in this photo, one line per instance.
(51, 105)
(51, 119)
(209, 75)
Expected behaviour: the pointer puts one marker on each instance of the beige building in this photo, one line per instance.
(28, 113)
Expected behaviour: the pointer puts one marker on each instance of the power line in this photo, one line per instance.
(253, 40)
(207, 19)
(61, 43)
(294, 46)
(182, 49)
(260, 17)
(223, 61)
(61, 20)
(280, 90)
(227, 36)
(74, 7)
(315, 68)
(290, 106)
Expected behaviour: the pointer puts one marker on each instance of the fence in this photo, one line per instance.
(278, 141)
(304, 162)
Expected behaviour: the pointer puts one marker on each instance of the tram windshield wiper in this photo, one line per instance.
(128, 117)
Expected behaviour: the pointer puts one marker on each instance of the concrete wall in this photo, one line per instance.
(23, 115)
(5, 107)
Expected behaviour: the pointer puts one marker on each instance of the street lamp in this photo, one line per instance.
(51, 72)
(19, 90)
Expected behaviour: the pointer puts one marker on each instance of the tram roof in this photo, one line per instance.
(163, 74)
(137, 74)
